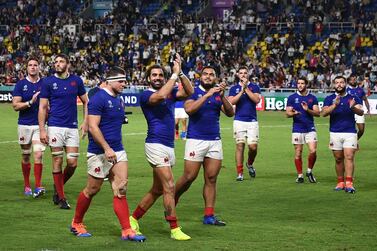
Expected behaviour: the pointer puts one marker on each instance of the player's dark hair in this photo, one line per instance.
(115, 71)
(34, 58)
(243, 67)
(303, 79)
(62, 55)
(340, 77)
(208, 67)
(149, 70)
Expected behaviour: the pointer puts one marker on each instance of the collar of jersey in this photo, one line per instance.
(56, 75)
(303, 95)
(28, 79)
(151, 89)
(351, 87)
(108, 92)
(202, 88)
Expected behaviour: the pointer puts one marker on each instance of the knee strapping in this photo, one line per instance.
(73, 155)
(26, 151)
(57, 154)
(39, 148)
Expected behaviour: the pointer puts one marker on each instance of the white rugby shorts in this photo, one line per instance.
(246, 132)
(99, 167)
(339, 141)
(197, 150)
(62, 136)
(28, 134)
(159, 155)
(304, 138)
(180, 113)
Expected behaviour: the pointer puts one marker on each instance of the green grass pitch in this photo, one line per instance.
(271, 212)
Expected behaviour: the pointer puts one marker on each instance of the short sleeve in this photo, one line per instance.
(144, 99)
(315, 100)
(17, 91)
(95, 106)
(80, 87)
(290, 101)
(45, 90)
(232, 91)
(328, 101)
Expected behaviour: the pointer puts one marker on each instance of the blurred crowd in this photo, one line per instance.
(279, 40)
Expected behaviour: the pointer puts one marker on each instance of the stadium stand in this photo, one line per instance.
(279, 39)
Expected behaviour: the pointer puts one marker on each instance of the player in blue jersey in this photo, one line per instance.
(355, 90)
(342, 107)
(158, 104)
(203, 145)
(59, 93)
(245, 96)
(302, 107)
(26, 102)
(106, 155)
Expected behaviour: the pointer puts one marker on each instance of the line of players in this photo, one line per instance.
(53, 99)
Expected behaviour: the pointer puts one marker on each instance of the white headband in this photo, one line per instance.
(117, 78)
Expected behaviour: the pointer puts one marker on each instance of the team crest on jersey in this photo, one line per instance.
(110, 104)
(218, 98)
(73, 83)
(310, 100)
(54, 86)
(25, 88)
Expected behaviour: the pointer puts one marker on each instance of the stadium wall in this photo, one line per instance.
(270, 101)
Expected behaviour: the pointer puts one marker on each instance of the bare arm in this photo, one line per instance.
(365, 99)
(314, 112)
(192, 106)
(187, 89)
(356, 108)
(84, 125)
(291, 112)
(327, 110)
(234, 99)
(227, 107)
(42, 112)
(93, 121)
(18, 105)
(255, 97)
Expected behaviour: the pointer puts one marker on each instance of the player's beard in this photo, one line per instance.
(340, 90)
(207, 86)
(61, 70)
(157, 84)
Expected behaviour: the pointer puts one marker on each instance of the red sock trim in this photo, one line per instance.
(173, 221)
(349, 179)
(239, 169)
(82, 206)
(38, 167)
(120, 206)
(340, 179)
(59, 184)
(311, 160)
(138, 213)
(26, 173)
(298, 164)
(208, 211)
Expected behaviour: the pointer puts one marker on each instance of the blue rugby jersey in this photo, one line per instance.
(26, 89)
(342, 119)
(160, 118)
(303, 122)
(111, 110)
(356, 91)
(245, 108)
(62, 95)
(205, 123)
